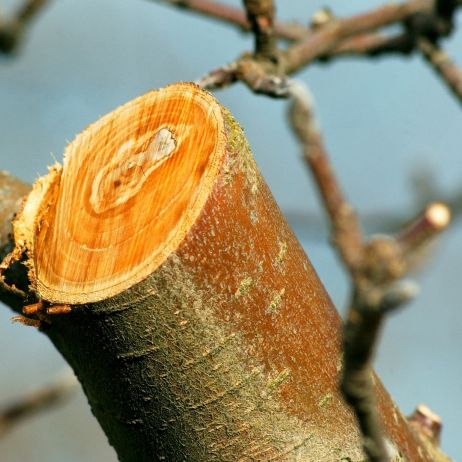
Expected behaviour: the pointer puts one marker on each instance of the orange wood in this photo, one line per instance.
(131, 185)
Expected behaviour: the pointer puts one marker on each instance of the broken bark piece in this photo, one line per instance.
(198, 327)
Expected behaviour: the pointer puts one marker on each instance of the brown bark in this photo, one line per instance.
(11, 194)
(223, 347)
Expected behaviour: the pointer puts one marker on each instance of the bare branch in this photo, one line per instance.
(362, 327)
(443, 66)
(346, 232)
(378, 289)
(372, 45)
(361, 331)
(446, 8)
(336, 37)
(260, 14)
(219, 78)
(38, 401)
(236, 17)
(12, 30)
(427, 422)
(376, 266)
(328, 37)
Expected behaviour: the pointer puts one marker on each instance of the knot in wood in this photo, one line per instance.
(129, 169)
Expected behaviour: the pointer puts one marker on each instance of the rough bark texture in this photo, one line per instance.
(230, 349)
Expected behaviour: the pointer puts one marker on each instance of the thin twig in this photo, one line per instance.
(376, 266)
(335, 38)
(378, 289)
(219, 78)
(12, 30)
(38, 401)
(434, 219)
(365, 318)
(260, 14)
(321, 42)
(29, 9)
(235, 16)
(427, 423)
(443, 66)
(348, 241)
(328, 38)
(346, 231)
(372, 45)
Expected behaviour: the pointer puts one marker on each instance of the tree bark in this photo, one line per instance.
(197, 327)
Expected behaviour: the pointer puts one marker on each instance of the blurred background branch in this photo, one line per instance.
(12, 29)
(39, 400)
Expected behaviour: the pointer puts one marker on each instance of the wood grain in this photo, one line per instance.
(131, 186)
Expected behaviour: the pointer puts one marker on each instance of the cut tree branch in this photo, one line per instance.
(422, 230)
(208, 366)
(427, 422)
(377, 265)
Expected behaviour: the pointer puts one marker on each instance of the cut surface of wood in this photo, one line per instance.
(198, 327)
(120, 211)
